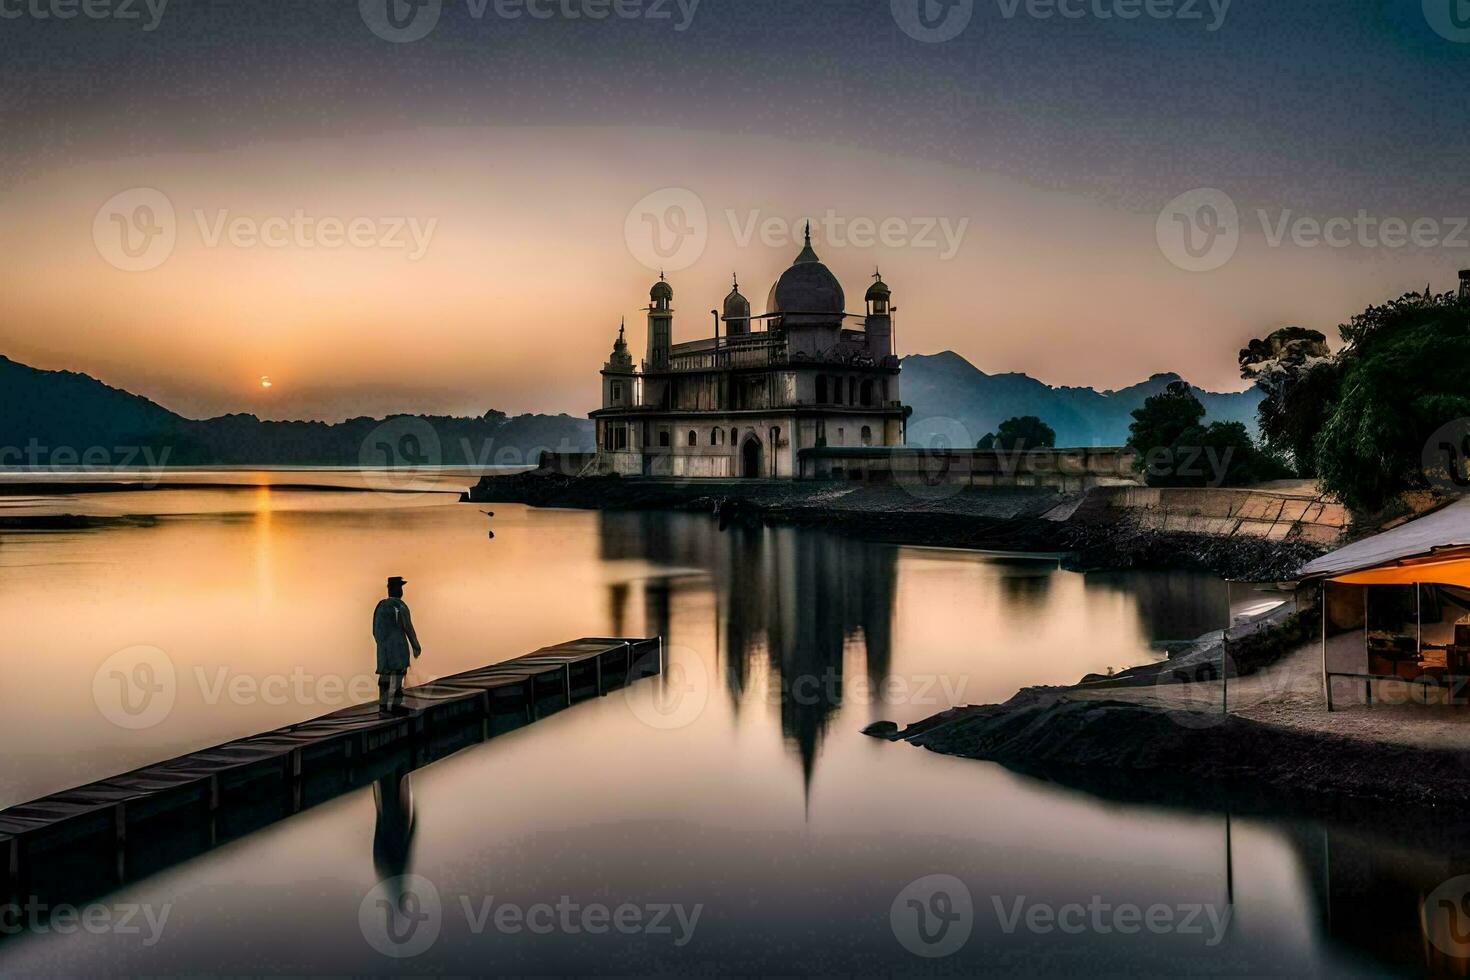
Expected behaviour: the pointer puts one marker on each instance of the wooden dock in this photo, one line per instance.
(86, 840)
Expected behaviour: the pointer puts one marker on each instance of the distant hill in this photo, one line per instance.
(62, 419)
(945, 389)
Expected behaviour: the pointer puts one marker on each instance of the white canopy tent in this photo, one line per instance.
(1428, 557)
(1423, 550)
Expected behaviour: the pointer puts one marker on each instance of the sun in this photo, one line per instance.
(265, 382)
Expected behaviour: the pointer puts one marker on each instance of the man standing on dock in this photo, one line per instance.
(394, 633)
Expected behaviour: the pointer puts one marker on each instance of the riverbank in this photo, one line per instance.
(1258, 535)
(1169, 741)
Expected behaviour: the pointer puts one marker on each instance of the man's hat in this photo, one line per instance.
(396, 580)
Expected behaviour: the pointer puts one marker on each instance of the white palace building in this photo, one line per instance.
(747, 398)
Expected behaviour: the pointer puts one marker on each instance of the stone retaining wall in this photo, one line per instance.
(1296, 513)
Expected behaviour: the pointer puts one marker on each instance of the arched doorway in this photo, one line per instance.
(750, 458)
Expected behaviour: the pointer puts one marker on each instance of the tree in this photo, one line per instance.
(1164, 417)
(1405, 374)
(1295, 370)
(1175, 448)
(1020, 433)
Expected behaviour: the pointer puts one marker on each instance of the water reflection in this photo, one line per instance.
(799, 602)
(793, 629)
(393, 832)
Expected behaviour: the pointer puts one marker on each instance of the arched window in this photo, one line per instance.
(714, 437)
(837, 390)
(821, 389)
(867, 435)
(734, 435)
(867, 392)
(693, 438)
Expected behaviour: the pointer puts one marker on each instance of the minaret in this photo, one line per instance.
(660, 325)
(737, 311)
(879, 322)
(617, 374)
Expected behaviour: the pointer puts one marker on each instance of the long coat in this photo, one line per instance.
(393, 631)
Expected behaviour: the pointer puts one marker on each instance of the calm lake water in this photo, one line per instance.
(728, 817)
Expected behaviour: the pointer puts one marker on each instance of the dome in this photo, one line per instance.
(807, 287)
(661, 290)
(879, 289)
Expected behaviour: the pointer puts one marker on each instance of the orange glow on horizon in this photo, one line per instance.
(515, 298)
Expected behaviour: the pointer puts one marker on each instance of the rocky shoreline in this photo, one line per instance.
(999, 519)
(1148, 753)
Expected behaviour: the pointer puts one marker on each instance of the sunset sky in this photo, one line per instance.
(494, 169)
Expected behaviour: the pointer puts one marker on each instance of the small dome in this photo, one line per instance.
(661, 290)
(879, 289)
(807, 287)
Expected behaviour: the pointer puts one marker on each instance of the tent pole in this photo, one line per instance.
(1367, 682)
(1326, 680)
(1224, 660)
(1419, 619)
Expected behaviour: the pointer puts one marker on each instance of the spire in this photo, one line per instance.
(735, 282)
(620, 360)
(807, 253)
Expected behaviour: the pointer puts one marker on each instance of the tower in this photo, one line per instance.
(737, 312)
(660, 325)
(617, 374)
(1465, 285)
(878, 324)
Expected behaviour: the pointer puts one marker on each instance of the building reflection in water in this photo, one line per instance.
(795, 601)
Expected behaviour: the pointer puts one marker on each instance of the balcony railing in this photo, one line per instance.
(725, 358)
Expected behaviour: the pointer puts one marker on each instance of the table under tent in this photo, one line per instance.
(1396, 612)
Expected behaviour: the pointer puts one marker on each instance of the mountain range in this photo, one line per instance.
(64, 420)
(55, 419)
(955, 402)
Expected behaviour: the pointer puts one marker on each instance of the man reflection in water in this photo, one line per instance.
(394, 633)
(393, 835)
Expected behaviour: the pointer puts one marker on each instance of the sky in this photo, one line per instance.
(448, 206)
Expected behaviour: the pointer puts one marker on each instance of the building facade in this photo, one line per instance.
(749, 396)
